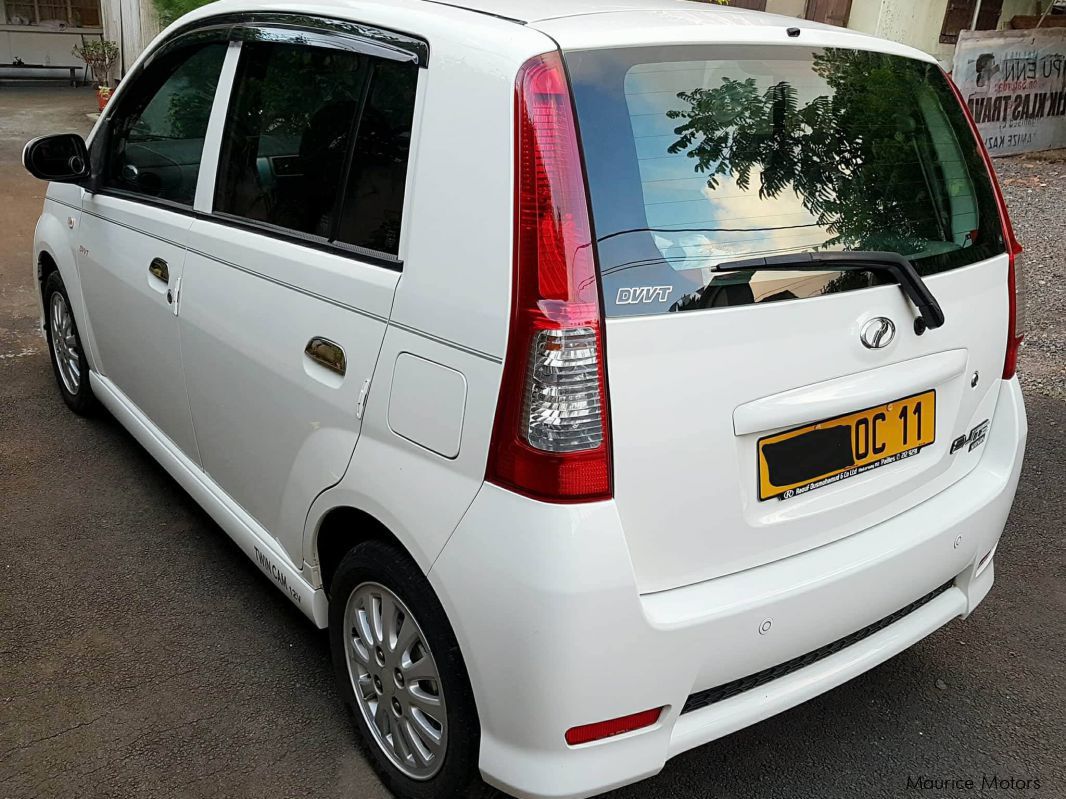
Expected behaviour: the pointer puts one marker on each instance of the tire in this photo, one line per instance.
(370, 579)
(69, 364)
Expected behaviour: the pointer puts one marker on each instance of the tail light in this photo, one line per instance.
(1016, 274)
(551, 438)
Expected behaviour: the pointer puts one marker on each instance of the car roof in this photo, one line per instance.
(530, 11)
(578, 24)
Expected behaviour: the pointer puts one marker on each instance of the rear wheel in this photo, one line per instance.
(400, 671)
(64, 346)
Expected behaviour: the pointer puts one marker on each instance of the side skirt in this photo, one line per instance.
(250, 536)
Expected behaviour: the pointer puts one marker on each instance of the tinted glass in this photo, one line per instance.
(695, 158)
(373, 202)
(157, 137)
(288, 135)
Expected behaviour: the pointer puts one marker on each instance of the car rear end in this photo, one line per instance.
(727, 472)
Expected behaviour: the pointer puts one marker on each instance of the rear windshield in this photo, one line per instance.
(701, 155)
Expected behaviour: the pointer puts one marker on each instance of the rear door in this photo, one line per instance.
(289, 280)
(761, 413)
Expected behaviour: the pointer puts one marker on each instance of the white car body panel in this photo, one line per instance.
(271, 444)
(565, 572)
(695, 515)
(250, 306)
(139, 348)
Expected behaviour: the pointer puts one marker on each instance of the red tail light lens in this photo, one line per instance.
(551, 439)
(1016, 275)
(587, 733)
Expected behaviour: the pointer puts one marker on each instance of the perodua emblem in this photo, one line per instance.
(877, 333)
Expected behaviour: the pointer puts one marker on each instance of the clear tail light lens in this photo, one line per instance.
(1016, 275)
(563, 411)
(551, 438)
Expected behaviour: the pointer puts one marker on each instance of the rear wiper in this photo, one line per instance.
(902, 271)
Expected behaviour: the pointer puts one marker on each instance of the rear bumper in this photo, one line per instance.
(555, 635)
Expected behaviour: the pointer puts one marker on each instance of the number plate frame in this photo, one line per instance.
(894, 432)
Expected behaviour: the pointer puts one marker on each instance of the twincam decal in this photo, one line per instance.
(643, 294)
(278, 575)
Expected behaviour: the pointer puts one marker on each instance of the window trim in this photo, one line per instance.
(294, 27)
(100, 140)
(367, 254)
(339, 34)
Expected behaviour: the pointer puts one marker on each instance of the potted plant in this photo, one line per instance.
(100, 56)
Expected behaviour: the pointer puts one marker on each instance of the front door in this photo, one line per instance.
(832, 12)
(133, 232)
(289, 280)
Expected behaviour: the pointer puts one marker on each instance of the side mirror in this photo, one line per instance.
(63, 158)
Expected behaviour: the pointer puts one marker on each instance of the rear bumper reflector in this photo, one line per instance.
(587, 733)
(710, 696)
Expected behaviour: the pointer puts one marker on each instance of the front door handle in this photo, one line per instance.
(159, 269)
(327, 353)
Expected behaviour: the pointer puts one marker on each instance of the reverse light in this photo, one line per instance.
(551, 439)
(587, 733)
(1016, 274)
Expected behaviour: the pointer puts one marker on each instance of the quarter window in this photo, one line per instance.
(373, 202)
(157, 133)
(316, 144)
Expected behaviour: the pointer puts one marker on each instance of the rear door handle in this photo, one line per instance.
(327, 353)
(159, 269)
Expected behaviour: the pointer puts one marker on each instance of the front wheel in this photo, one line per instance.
(64, 346)
(399, 669)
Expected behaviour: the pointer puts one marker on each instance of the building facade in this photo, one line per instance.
(929, 25)
(37, 36)
(43, 32)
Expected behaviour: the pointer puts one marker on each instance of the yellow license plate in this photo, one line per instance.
(816, 455)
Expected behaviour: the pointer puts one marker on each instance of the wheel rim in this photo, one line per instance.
(65, 345)
(396, 682)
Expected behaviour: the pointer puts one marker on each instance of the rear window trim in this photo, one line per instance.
(712, 52)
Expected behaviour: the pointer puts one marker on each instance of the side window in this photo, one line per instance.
(157, 135)
(316, 143)
(287, 135)
(373, 202)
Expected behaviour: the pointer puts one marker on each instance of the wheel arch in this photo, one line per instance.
(53, 252)
(341, 529)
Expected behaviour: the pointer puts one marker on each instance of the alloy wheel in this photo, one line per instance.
(396, 681)
(65, 344)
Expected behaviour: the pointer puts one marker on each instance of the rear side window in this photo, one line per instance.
(696, 158)
(316, 144)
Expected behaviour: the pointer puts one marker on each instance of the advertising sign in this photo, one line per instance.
(1015, 85)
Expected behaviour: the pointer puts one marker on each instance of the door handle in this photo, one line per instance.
(327, 353)
(159, 269)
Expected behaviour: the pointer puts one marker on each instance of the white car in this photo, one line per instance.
(606, 375)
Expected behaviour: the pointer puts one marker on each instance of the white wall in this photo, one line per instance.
(791, 8)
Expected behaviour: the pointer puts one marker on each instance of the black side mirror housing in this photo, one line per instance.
(63, 158)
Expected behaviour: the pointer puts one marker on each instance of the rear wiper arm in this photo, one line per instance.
(902, 271)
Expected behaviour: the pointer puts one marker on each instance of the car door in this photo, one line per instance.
(135, 225)
(289, 281)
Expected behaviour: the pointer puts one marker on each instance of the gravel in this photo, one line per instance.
(1035, 188)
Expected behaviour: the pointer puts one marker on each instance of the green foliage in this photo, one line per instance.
(170, 10)
(100, 55)
(851, 157)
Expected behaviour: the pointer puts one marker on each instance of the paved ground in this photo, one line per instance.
(141, 655)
